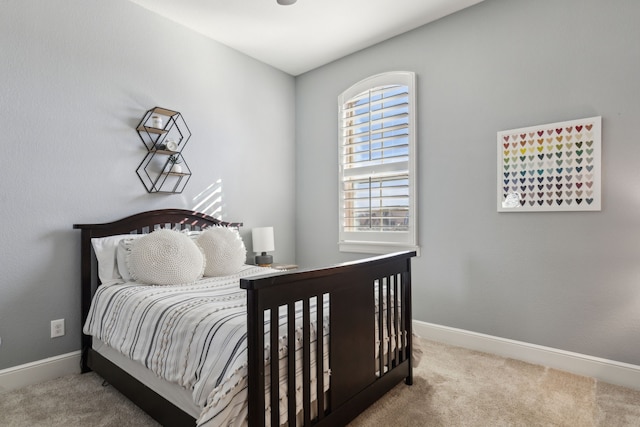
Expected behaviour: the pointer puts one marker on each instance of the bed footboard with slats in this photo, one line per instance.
(367, 305)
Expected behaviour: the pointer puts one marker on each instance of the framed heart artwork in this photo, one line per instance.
(552, 167)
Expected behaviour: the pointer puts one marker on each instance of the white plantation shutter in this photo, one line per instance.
(377, 164)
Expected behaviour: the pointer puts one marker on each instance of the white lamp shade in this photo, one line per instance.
(262, 239)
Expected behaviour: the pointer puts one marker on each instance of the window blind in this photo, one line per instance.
(375, 159)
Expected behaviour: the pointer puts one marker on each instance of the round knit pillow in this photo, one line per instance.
(165, 257)
(223, 249)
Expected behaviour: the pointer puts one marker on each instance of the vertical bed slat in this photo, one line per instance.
(380, 327)
(396, 321)
(406, 325)
(403, 319)
(274, 387)
(389, 356)
(306, 361)
(320, 356)
(291, 361)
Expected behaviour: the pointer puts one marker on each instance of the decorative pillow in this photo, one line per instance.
(165, 257)
(105, 250)
(223, 249)
(122, 255)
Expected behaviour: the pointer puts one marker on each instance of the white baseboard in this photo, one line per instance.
(39, 371)
(605, 370)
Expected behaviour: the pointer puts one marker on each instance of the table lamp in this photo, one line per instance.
(262, 239)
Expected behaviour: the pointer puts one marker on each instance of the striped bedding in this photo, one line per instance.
(194, 336)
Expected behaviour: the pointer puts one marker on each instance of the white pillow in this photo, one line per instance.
(122, 255)
(165, 257)
(223, 249)
(105, 250)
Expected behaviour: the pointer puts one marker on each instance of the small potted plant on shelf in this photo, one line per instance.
(174, 161)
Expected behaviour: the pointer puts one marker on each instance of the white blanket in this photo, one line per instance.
(194, 336)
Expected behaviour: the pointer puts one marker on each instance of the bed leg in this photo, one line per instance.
(84, 364)
(409, 379)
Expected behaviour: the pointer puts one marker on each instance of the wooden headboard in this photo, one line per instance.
(140, 223)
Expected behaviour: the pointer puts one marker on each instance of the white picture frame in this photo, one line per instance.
(551, 167)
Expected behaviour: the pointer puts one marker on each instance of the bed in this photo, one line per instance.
(348, 342)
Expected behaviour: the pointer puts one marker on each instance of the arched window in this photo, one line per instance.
(377, 156)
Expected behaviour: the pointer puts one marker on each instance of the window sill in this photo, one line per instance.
(376, 248)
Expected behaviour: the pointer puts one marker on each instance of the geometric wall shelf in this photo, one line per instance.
(164, 134)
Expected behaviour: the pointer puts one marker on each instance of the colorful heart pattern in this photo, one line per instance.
(550, 167)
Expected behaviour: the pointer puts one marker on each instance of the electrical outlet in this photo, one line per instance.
(57, 328)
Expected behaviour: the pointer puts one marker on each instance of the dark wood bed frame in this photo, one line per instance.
(355, 381)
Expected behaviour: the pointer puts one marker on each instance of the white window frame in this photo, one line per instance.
(379, 242)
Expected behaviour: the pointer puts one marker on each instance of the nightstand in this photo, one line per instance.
(284, 267)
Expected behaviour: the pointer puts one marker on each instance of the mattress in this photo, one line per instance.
(174, 393)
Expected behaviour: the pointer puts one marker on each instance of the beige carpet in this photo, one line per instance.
(452, 387)
(459, 387)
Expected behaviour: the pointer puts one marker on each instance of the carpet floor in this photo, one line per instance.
(452, 387)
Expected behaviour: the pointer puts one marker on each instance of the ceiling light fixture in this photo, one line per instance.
(286, 2)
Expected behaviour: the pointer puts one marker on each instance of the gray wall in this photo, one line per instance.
(76, 76)
(565, 280)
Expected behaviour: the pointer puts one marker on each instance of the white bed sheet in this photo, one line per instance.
(174, 393)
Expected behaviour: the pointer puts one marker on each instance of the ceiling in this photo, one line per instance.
(310, 33)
